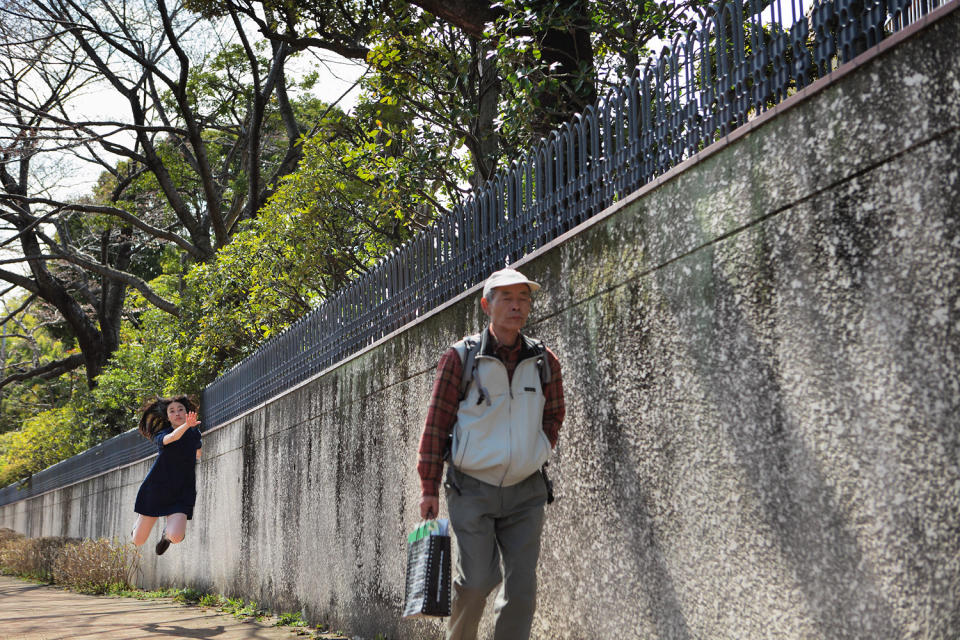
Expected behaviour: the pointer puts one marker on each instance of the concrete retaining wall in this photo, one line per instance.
(760, 358)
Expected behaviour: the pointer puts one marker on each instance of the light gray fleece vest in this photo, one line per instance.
(498, 437)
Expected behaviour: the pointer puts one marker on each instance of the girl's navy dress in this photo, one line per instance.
(171, 485)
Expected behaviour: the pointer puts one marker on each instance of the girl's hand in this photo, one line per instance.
(191, 420)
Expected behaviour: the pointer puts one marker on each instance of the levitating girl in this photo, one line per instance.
(170, 489)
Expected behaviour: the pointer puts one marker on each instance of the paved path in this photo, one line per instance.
(34, 612)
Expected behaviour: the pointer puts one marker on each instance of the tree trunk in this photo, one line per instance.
(485, 149)
(568, 54)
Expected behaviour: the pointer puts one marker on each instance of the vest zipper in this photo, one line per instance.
(509, 412)
(510, 380)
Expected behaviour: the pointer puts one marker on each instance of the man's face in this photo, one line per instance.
(508, 307)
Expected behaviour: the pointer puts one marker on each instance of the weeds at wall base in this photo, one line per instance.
(236, 607)
(87, 566)
(106, 567)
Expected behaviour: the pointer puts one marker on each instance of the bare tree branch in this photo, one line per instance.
(26, 303)
(47, 371)
(116, 212)
(90, 264)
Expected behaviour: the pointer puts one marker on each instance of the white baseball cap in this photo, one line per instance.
(505, 278)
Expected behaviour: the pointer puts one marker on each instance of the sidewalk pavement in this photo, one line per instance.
(30, 611)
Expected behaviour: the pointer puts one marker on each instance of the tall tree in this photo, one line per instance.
(31, 90)
(519, 69)
(194, 156)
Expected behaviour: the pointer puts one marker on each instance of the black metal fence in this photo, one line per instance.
(119, 450)
(743, 59)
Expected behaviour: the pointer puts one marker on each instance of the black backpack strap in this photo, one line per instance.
(467, 349)
(543, 363)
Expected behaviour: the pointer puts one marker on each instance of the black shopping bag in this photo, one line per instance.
(428, 571)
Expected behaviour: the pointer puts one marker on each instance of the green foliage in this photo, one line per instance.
(538, 92)
(623, 30)
(291, 620)
(44, 439)
(349, 203)
(28, 340)
(209, 600)
(146, 362)
(188, 595)
(238, 609)
(424, 75)
(140, 594)
(45, 421)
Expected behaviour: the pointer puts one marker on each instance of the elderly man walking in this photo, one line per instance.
(494, 415)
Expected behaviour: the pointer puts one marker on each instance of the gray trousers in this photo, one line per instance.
(491, 524)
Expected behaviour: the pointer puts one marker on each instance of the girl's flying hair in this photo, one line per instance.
(154, 418)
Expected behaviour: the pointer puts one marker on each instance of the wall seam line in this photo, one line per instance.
(763, 218)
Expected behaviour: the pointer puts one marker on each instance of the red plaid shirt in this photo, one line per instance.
(445, 401)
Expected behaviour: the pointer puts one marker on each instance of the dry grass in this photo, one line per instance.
(88, 566)
(95, 566)
(8, 534)
(30, 557)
